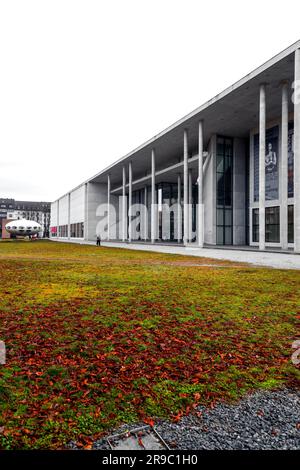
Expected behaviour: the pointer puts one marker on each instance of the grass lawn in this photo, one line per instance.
(97, 337)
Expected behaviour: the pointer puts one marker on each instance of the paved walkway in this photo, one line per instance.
(272, 260)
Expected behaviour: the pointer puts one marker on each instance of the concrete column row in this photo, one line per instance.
(185, 188)
(262, 155)
(297, 152)
(187, 198)
(284, 161)
(284, 168)
(153, 199)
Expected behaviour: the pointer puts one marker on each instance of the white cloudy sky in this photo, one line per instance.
(84, 82)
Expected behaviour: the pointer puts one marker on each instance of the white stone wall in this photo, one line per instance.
(53, 216)
(96, 195)
(63, 210)
(77, 205)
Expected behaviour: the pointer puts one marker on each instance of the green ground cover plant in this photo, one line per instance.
(97, 337)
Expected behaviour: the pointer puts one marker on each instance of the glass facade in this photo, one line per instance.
(167, 193)
(255, 225)
(224, 190)
(272, 164)
(273, 224)
(290, 224)
(63, 231)
(77, 230)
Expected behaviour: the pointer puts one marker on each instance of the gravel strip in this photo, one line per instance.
(263, 420)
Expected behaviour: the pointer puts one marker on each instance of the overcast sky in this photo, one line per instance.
(84, 82)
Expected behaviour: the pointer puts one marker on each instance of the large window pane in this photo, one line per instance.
(291, 224)
(228, 217)
(220, 163)
(255, 225)
(228, 235)
(272, 218)
(220, 217)
(220, 235)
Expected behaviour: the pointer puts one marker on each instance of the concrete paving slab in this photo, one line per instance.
(144, 438)
(272, 260)
(275, 260)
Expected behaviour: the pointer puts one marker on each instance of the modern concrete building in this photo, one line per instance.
(226, 174)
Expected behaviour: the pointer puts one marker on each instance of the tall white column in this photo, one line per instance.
(179, 210)
(108, 207)
(124, 215)
(297, 153)
(57, 217)
(86, 215)
(69, 215)
(145, 214)
(153, 198)
(200, 211)
(262, 156)
(284, 166)
(185, 188)
(130, 200)
(190, 205)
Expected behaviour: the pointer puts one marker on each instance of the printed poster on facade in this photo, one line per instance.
(271, 164)
(291, 160)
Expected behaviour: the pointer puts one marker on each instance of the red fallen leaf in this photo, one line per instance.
(197, 396)
(141, 442)
(39, 374)
(149, 421)
(198, 375)
(178, 416)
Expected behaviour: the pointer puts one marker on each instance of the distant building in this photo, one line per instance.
(10, 209)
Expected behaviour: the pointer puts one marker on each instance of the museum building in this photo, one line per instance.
(228, 173)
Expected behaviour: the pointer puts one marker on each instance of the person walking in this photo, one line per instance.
(98, 240)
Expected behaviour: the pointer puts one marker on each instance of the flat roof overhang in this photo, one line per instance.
(233, 113)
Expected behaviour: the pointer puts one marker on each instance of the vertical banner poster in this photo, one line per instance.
(291, 160)
(271, 164)
(256, 166)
